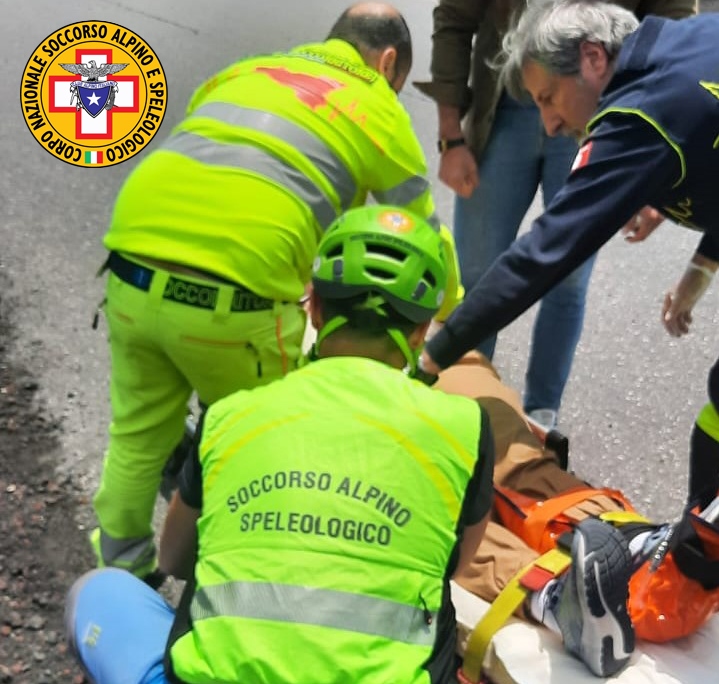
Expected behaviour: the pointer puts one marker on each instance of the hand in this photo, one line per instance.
(434, 327)
(642, 224)
(679, 302)
(458, 170)
(427, 364)
(675, 317)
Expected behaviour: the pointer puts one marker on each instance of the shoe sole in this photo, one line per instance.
(603, 565)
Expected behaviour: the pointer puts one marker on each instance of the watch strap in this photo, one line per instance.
(444, 144)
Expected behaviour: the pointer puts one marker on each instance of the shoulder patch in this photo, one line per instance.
(582, 158)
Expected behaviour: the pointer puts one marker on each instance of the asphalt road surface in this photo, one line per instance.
(634, 392)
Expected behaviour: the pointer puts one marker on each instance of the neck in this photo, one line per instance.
(375, 349)
(611, 67)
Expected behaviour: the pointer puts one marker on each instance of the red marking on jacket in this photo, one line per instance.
(312, 90)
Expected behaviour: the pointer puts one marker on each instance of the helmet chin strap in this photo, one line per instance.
(327, 329)
(410, 355)
(373, 303)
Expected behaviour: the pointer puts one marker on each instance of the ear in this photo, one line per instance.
(594, 60)
(387, 63)
(416, 337)
(315, 307)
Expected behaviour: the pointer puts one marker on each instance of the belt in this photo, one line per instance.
(183, 291)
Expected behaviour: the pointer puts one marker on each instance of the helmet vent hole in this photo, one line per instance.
(420, 290)
(386, 250)
(380, 274)
(429, 277)
(334, 252)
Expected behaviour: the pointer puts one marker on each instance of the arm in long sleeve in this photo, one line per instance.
(598, 198)
(455, 24)
(672, 9)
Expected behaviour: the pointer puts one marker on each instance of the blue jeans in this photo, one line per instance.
(518, 158)
(118, 627)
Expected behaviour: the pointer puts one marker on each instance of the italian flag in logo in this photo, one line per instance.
(93, 157)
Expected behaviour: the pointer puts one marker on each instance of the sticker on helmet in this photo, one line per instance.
(396, 221)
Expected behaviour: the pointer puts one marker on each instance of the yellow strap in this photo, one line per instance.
(509, 599)
(623, 517)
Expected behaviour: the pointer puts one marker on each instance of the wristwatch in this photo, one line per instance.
(444, 144)
(422, 375)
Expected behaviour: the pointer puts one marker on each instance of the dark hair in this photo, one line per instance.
(370, 31)
(366, 322)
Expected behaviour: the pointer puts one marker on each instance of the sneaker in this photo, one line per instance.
(643, 540)
(591, 603)
(545, 418)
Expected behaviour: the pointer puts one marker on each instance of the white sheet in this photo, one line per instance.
(521, 653)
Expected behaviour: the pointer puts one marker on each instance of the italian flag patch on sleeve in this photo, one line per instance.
(93, 157)
(582, 158)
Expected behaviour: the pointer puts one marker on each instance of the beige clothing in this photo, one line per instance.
(521, 464)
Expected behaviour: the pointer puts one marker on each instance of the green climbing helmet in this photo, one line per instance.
(385, 250)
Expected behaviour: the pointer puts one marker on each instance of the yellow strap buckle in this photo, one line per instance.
(554, 562)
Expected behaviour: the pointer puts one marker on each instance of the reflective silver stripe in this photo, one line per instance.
(405, 193)
(129, 554)
(315, 149)
(434, 221)
(258, 161)
(312, 606)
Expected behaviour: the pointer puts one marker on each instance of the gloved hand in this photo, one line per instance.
(679, 302)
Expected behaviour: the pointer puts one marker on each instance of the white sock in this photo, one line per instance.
(637, 544)
(539, 606)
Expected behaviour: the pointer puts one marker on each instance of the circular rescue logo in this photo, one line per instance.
(396, 221)
(93, 94)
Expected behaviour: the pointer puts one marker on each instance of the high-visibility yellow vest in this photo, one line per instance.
(331, 500)
(272, 150)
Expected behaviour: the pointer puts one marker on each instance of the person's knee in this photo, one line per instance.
(111, 613)
(84, 593)
(92, 579)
